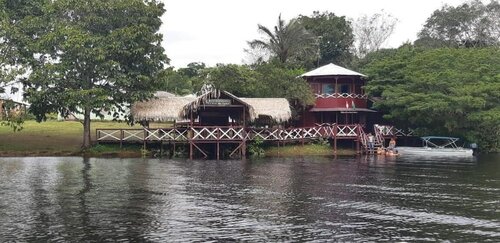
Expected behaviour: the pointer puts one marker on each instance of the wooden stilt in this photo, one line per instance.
(161, 148)
(190, 150)
(218, 150)
(173, 152)
(335, 139)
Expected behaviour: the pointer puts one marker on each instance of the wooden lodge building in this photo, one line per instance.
(217, 122)
(340, 97)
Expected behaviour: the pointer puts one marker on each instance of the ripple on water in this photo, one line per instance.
(295, 199)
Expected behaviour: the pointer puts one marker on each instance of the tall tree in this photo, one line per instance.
(12, 65)
(286, 42)
(372, 31)
(335, 37)
(91, 56)
(472, 24)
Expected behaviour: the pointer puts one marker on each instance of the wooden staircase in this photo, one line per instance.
(378, 141)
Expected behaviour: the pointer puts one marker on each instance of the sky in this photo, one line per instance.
(217, 31)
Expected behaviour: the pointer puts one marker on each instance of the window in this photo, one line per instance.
(328, 89)
(345, 88)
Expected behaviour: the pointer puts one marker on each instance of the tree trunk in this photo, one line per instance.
(86, 129)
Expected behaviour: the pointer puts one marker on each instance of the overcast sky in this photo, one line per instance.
(217, 31)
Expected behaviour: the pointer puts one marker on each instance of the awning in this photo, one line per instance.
(350, 110)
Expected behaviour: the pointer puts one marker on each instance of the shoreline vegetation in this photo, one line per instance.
(63, 138)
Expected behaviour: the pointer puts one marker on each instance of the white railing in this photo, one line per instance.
(389, 131)
(342, 95)
(228, 133)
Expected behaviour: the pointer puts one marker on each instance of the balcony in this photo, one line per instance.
(340, 100)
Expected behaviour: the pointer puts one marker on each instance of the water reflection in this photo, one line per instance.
(285, 199)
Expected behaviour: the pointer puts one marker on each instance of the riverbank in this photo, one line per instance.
(53, 138)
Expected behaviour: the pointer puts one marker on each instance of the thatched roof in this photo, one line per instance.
(167, 107)
(163, 107)
(215, 94)
(276, 108)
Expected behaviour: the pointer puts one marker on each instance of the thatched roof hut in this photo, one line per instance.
(163, 107)
(277, 109)
(167, 107)
(201, 102)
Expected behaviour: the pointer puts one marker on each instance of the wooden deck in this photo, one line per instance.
(194, 135)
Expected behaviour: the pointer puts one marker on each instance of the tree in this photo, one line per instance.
(372, 31)
(91, 56)
(288, 43)
(471, 24)
(441, 91)
(334, 35)
(12, 67)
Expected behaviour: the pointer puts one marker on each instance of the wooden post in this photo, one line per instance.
(335, 139)
(173, 152)
(190, 150)
(358, 151)
(121, 138)
(145, 138)
(218, 144)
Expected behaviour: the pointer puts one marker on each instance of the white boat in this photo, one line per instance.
(437, 146)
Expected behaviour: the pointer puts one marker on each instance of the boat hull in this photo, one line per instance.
(441, 152)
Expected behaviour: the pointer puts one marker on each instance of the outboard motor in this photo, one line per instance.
(474, 148)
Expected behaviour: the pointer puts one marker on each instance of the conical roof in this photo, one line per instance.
(331, 70)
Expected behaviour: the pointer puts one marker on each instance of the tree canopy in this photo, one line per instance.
(372, 31)
(335, 37)
(89, 56)
(288, 43)
(441, 91)
(471, 24)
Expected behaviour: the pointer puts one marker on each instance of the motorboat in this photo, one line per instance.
(437, 146)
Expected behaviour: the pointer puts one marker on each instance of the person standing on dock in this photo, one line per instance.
(371, 141)
(392, 144)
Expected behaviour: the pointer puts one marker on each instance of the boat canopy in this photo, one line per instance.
(445, 141)
(438, 137)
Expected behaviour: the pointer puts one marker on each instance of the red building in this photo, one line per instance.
(340, 97)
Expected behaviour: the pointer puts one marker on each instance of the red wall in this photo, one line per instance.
(339, 102)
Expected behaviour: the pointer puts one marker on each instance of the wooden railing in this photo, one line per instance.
(228, 133)
(389, 131)
(342, 95)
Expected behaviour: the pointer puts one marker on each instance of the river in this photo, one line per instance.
(277, 199)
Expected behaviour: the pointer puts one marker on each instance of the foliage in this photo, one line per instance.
(288, 43)
(174, 82)
(372, 31)
(255, 148)
(13, 115)
(334, 34)
(11, 69)
(89, 56)
(265, 80)
(471, 24)
(441, 91)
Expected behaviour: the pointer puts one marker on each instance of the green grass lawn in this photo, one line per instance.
(50, 137)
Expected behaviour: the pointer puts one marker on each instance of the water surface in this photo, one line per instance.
(279, 199)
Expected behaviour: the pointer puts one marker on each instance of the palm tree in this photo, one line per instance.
(289, 41)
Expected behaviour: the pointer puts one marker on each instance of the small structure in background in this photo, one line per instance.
(10, 108)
